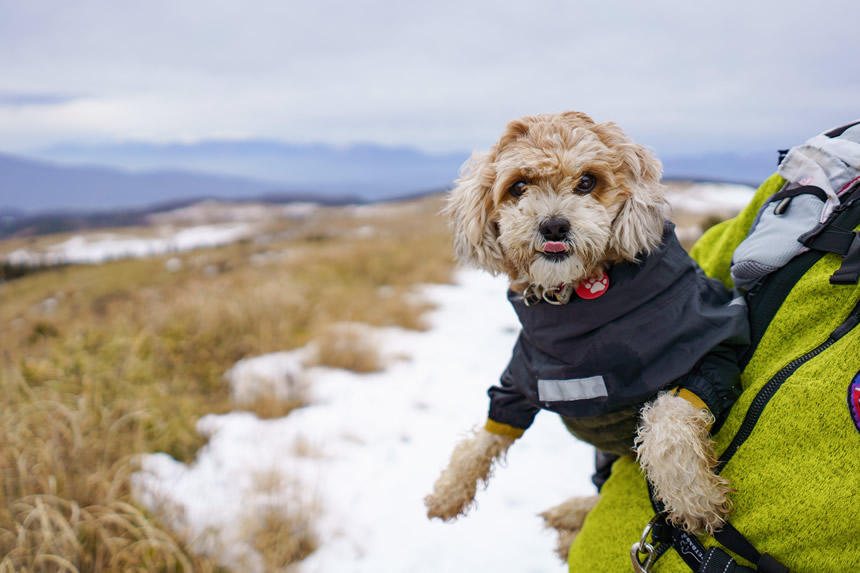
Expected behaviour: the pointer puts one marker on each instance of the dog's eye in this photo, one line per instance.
(518, 188)
(586, 183)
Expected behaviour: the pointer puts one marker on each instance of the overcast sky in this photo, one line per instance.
(438, 75)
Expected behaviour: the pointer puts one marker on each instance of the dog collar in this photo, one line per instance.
(587, 289)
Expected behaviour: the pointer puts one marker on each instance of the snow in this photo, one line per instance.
(368, 449)
(278, 375)
(710, 198)
(226, 223)
(100, 247)
(214, 211)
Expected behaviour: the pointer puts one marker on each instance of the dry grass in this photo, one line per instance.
(56, 534)
(280, 529)
(282, 538)
(267, 407)
(351, 346)
(100, 363)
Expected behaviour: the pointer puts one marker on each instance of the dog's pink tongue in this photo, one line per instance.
(554, 247)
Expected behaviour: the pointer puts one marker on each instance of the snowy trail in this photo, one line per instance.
(377, 442)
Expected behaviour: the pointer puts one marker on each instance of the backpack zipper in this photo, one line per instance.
(772, 386)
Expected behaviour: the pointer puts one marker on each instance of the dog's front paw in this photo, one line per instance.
(702, 505)
(674, 449)
(471, 463)
(450, 504)
(567, 519)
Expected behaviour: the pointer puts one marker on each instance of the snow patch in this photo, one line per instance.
(368, 448)
(214, 211)
(279, 376)
(102, 247)
(722, 199)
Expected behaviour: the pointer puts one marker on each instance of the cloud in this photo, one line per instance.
(445, 75)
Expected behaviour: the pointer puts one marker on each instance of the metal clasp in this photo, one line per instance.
(558, 296)
(531, 295)
(642, 547)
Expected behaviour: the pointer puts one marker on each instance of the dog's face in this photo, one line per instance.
(556, 200)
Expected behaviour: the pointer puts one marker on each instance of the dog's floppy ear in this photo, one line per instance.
(470, 208)
(638, 226)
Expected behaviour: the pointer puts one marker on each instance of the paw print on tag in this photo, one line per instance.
(593, 287)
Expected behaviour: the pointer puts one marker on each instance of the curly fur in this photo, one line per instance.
(620, 219)
(673, 447)
(567, 519)
(471, 462)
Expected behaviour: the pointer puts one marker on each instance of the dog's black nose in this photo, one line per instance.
(554, 229)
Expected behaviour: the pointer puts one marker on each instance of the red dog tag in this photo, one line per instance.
(593, 287)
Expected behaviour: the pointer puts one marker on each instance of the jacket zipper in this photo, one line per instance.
(772, 386)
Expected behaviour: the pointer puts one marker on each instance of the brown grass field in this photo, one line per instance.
(100, 363)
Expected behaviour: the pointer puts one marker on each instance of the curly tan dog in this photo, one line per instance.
(571, 210)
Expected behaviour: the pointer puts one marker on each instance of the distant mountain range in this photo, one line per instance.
(35, 185)
(748, 168)
(368, 171)
(89, 178)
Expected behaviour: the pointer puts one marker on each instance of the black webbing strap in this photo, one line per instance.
(667, 535)
(849, 272)
(832, 241)
(767, 297)
(689, 548)
(836, 236)
(845, 244)
(718, 561)
(733, 539)
(714, 559)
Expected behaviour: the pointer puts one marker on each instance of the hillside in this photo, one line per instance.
(290, 362)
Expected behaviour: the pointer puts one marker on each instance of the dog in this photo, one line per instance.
(561, 205)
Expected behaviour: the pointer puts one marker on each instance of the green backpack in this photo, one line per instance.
(791, 444)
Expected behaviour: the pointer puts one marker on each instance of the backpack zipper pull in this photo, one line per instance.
(782, 206)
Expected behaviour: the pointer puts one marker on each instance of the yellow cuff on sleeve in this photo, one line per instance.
(692, 399)
(503, 429)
